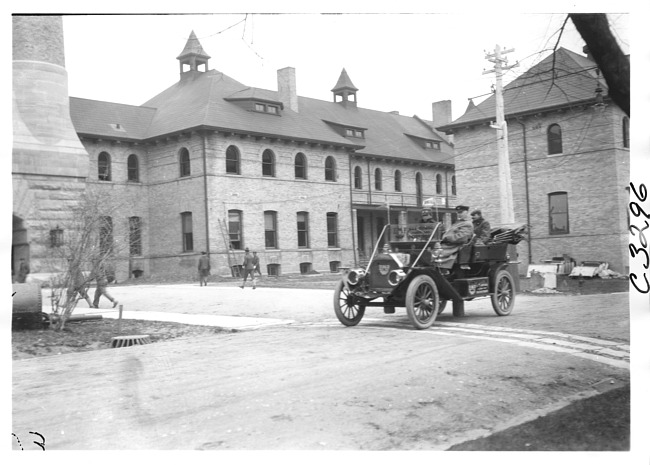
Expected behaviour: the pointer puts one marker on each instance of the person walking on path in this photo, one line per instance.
(249, 268)
(78, 285)
(204, 269)
(102, 285)
(256, 261)
(23, 271)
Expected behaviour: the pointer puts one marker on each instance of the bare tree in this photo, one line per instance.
(87, 243)
(614, 64)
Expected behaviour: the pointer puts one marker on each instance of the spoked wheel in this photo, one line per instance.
(422, 301)
(503, 297)
(346, 306)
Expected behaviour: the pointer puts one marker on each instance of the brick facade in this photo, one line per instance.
(593, 169)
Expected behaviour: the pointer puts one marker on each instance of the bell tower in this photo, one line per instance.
(344, 91)
(192, 57)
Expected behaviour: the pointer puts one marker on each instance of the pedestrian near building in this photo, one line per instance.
(78, 284)
(481, 227)
(256, 261)
(204, 269)
(248, 268)
(102, 286)
(23, 271)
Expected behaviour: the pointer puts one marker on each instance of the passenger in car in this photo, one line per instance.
(481, 228)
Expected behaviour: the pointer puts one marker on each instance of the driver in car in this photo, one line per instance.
(461, 231)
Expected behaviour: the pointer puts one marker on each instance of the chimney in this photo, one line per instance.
(287, 93)
(441, 113)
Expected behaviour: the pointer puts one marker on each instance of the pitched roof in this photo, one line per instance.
(212, 99)
(561, 79)
(111, 120)
(344, 82)
(193, 47)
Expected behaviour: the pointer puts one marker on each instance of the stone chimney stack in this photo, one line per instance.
(287, 92)
(441, 113)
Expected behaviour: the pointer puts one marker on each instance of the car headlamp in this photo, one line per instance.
(395, 277)
(355, 276)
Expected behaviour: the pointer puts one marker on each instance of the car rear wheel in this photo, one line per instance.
(422, 301)
(503, 296)
(346, 306)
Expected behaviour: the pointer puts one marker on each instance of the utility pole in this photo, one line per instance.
(505, 183)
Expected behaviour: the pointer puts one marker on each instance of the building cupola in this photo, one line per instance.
(193, 56)
(344, 91)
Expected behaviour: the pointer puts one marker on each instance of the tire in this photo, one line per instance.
(422, 302)
(503, 296)
(347, 310)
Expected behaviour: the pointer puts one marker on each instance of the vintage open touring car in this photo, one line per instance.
(414, 271)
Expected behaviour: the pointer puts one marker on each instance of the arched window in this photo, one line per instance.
(418, 189)
(104, 167)
(358, 178)
(184, 161)
(133, 168)
(398, 181)
(330, 169)
(378, 184)
(453, 185)
(300, 166)
(232, 160)
(626, 132)
(438, 184)
(268, 163)
(554, 139)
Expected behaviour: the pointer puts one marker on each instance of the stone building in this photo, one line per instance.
(211, 164)
(568, 146)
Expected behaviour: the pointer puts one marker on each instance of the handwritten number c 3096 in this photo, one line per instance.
(632, 280)
(644, 242)
(639, 211)
(635, 250)
(642, 190)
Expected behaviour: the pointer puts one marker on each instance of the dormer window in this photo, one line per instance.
(267, 108)
(432, 145)
(349, 132)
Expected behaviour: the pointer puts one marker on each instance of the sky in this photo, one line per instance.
(399, 62)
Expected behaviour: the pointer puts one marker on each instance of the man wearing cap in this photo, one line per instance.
(481, 227)
(462, 230)
(248, 267)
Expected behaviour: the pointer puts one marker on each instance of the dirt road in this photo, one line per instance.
(316, 385)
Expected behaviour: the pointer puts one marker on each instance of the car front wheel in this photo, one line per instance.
(346, 306)
(422, 301)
